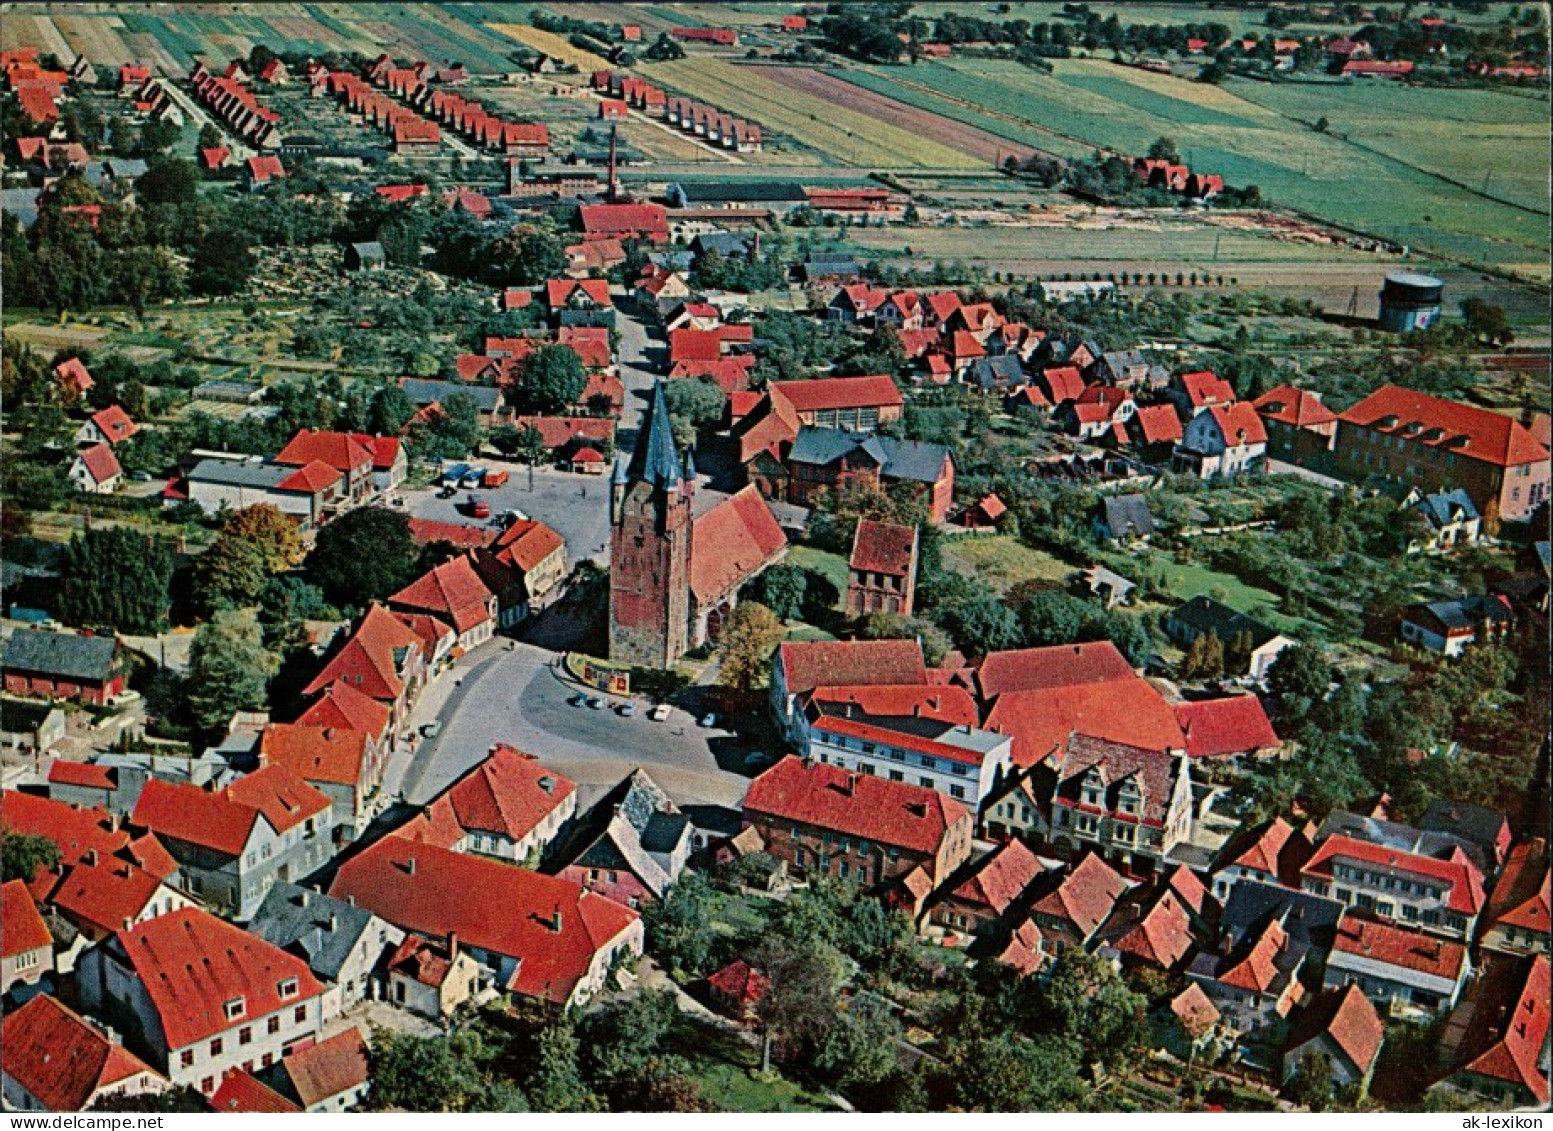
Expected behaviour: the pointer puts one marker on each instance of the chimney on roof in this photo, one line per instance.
(851, 784)
(128, 923)
(452, 945)
(547, 783)
(555, 919)
(89, 858)
(334, 922)
(351, 900)
(409, 866)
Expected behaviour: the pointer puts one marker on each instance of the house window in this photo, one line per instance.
(957, 792)
(235, 1008)
(896, 775)
(216, 1046)
(267, 1059)
(208, 1084)
(300, 1015)
(245, 1035)
(186, 1058)
(925, 782)
(287, 987)
(273, 1025)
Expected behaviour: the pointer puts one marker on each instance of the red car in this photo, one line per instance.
(479, 507)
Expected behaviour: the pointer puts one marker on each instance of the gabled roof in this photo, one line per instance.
(883, 547)
(320, 1072)
(1086, 896)
(634, 827)
(316, 754)
(452, 590)
(283, 797)
(1254, 967)
(1203, 614)
(1458, 873)
(1348, 1018)
(74, 831)
(554, 927)
(938, 702)
(342, 706)
(223, 819)
(1221, 728)
(1157, 933)
(341, 451)
(1375, 941)
(1238, 423)
(114, 423)
(1124, 711)
(88, 775)
(890, 813)
(100, 463)
(1521, 897)
(1505, 1023)
(310, 478)
(1003, 876)
(63, 655)
(240, 1092)
(21, 927)
(425, 531)
(1467, 431)
(1204, 387)
(1059, 665)
(731, 543)
(559, 292)
(1294, 407)
(527, 543)
(1128, 516)
(1083, 756)
(810, 664)
(1157, 424)
(1276, 850)
(509, 794)
(104, 893)
(370, 659)
(61, 1059)
(193, 965)
(741, 981)
(317, 928)
(824, 393)
(1194, 1010)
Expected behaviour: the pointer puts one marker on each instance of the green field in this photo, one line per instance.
(1004, 562)
(1393, 179)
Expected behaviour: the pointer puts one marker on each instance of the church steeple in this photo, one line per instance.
(654, 460)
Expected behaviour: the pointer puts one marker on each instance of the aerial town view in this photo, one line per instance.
(775, 557)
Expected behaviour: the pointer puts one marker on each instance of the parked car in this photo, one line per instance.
(478, 507)
(659, 713)
(474, 479)
(447, 492)
(627, 710)
(709, 719)
(496, 478)
(595, 702)
(432, 729)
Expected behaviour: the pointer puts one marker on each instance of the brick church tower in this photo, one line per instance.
(649, 562)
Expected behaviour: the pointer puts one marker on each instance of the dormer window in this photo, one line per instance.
(236, 1008)
(287, 988)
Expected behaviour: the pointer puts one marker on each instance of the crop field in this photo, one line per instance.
(1410, 199)
(843, 135)
(990, 147)
(556, 46)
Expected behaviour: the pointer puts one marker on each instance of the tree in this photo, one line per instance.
(664, 49)
(221, 262)
(781, 589)
(181, 1100)
(1204, 658)
(1313, 1084)
(441, 1073)
(693, 405)
(229, 668)
(231, 573)
(553, 380)
(1164, 149)
(859, 1049)
(24, 855)
(1486, 321)
(453, 432)
(169, 180)
(390, 411)
(362, 556)
(676, 925)
(1091, 1005)
(804, 977)
(555, 1083)
(982, 624)
(745, 646)
(1298, 680)
(1006, 1072)
(270, 530)
(116, 578)
(209, 137)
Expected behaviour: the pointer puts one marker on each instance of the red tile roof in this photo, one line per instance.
(1295, 407)
(1349, 1019)
(21, 927)
(1205, 387)
(509, 793)
(310, 479)
(623, 219)
(265, 166)
(192, 964)
(89, 775)
(1239, 423)
(810, 664)
(1065, 382)
(320, 1072)
(1060, 665)
(559, 292)
(316, 754)
(105, 894)
(1004, 876)
(1124, 711)
(1151, 768)
(101, 463)
(1400, 947)
(425, 530)
(1257, 967)
(741, 981)
(1521, 897)
(452, 591)
(491, 905)
(883, 547)
(240, 1092)
(1086, 896)
(1157, 424)
(384, 449)
(527, 543)
(1221, 728)
(731, 543)
(368, 659)
(283, 797)
(1457, 872)
(952, 705)
(824, 393)
(223, 819)
(1517, 1029)
(1474, 433)
(60, 1059)
(341, 705)
(74, 831)
(558, 431)
(860, 805)
(340, 450)
(114, 423)
(1277, 850)
(1023, 951)
(73, 372)
(1159, 934)
(1194, 1010)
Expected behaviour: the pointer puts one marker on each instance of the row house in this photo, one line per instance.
(715, 126)
(991, 896)
(454, 594)
(233, 844)
(343, 763)
(311, 494)
(235, 106)
(201, 997)
(1441, 895)
(382, 658)
(1406, 972)
(824, 820)
(362, 461)
(524, 567)
(799, 667)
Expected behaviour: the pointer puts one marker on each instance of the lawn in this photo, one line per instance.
(832, 567)
(728, 1069)
(1189, 579)
(1004, 562)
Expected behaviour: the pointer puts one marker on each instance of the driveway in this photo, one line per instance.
(514, 696)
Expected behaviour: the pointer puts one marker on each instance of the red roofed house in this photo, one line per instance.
(798, 668)
(509, 807)
(541, 937)
(382, 658)
(577, 294)
(524, 567)
(1130, 712)
(1255, 982)
(96, 470)
(737, 988)
(857, 403)
(1193, 392)
(1153, 930)
(1059, 665)
(1300, 429)
(1072, 912)
(1438, 445)
(1223, 440)
(1516, 921)
(647, 222)
(1495, 1043)
(351, 455)
(432, 978)
(241, 1093)
(26, 947)
(55, 1060)
(99, 894)
(1407, 971)
(111, 425)
(232, 844)
(1156, 430)
(983, 514)
(1443, 895)
(344, 764)
(202, 996)
(1377, 69)
(882, 571)
(1342, 1026)
(454, 593)
(986, 898)
(1273, 854)
(332, 1075)
(259, 171)
(1232, 727)
(822, 820)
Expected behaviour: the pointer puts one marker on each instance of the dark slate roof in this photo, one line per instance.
(655, 460)
(298, 921)
(1476, 824)
(240, 473)
(897, 459)
(60, 654)
(424, 392)
(1466, 612)
(1204, 614)
(744, 192)
(1310, 920)
(567, 316)
(1441, 509)
(1128, 516)
(130, 167)
(1000, 370)
(723, 243)
(634, 826)
(913, 459)
(369, 250)
(1438, 840)
(21, 203)
(674, 259)
(1544, 552)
